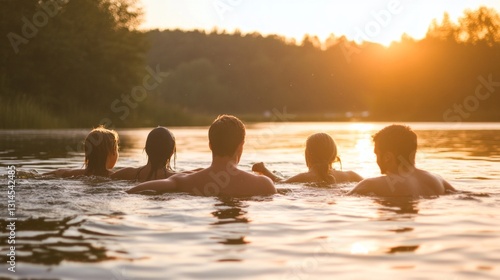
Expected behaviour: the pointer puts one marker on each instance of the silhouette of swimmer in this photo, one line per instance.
(222, 178)
(160, 146)
(320, 154)
(395, 148)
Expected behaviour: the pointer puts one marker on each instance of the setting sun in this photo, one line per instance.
(375, 21)
(236, 139)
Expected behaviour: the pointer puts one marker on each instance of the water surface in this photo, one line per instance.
(89, 228)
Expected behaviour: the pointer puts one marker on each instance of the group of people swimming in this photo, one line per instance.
(395, 149)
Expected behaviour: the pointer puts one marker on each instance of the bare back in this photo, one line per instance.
(415, 183)
(312, 176)
(141, 173)
(213, 182)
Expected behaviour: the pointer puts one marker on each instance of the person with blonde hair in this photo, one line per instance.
(101, 154)
(320, 154)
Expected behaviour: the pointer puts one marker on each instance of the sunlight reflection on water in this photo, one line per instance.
(89, 228)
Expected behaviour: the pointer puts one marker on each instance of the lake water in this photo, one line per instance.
(89, 228)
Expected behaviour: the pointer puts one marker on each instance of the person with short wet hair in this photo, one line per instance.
(222, 178)
(396, 148)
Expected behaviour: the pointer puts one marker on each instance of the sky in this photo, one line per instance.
(380, 21)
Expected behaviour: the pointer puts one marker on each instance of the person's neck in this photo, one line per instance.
(401, 170)
(219, 162)
(161, 167)
(315, 169)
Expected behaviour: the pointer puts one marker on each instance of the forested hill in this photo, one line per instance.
(80, 63)
(434, 79)
(238, 73)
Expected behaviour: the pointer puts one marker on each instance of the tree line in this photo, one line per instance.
(84, 68)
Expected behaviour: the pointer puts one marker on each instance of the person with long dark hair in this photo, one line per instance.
(226, 138)
(160, 146)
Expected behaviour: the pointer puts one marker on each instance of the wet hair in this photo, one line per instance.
(321, 152)
(99, 144)
(160, 146)
(399, 140)
(225, 135)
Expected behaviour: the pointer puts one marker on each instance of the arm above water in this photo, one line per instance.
(448, 188)
(159, 186)
(127, 173)
(354, 177)
(66, 172)
(262, 169)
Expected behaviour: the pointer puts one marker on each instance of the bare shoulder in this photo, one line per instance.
(301, 178)
(127, 173)
(448, 188)
(346, 176)
(66, 172)
(438, 183)
(370, 185)
(72, 172)
(257, 178)
(181, 180)
(172, 184)
(354, 177)
(265, 184)
(250, 184)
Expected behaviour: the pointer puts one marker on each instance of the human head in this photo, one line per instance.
(226, 135)
(320, 149)
(160, 146)
(395, 145)
(101, 151)
(320, 153)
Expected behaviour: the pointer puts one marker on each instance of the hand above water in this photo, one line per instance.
(259, 167)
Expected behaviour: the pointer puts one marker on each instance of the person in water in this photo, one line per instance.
(222, 178)
(101, 154)
(395, 148)
(160, 146)
(320, 154)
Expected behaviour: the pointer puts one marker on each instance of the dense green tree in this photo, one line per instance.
(72, 57)
(85, 60)
(409, 80)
